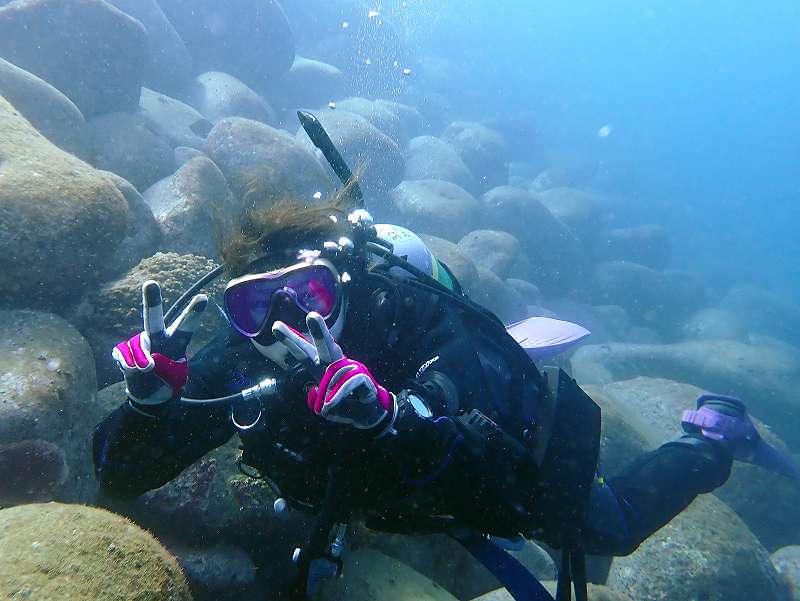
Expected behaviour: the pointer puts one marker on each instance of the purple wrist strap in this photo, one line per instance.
(718, 426)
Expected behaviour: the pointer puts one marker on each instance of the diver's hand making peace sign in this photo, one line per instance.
(154, 362)
(347, 392)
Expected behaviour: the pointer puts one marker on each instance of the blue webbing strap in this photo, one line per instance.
(519, 582)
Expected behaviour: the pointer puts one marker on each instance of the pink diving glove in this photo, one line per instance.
(347, 392)
(154, 362)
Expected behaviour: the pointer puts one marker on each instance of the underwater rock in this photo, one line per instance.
(597, 592)
(184, 154)
(89, 50)
(219, 95)
(530, 292)
(412, 123)
(142, 238)
(767, 312)
(647, 245)
(59, 217)
(217, 573)
(787, 562)
(765, 501)
(175, 122)
(379, 115)
(311, 83)
(494, 294)
(448, 253)
(446, 562)
(113, 312)
(482, 149)
(709, 542)
(31, 471)
(48, 110)
(47, 409)
(250, 39)
(716, 324)
(186, 205)
(556, 256)
(763, 376)
(428, 157)
(496, 251)
(581, 211)
(365, 148)
(264, 164)
(170, 66)
(65, 552)
(657, 299)
(435, 207)
(369, 575)
(124, 144)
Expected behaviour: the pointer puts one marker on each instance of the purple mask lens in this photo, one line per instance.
(249, 304)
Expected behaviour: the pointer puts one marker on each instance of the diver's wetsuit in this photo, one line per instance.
(450, 362)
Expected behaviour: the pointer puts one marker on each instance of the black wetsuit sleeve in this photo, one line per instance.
(134, 453)
(630, 506)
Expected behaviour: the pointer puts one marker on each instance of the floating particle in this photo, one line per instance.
(604, 131)
(331, 105)
(368, 61)
(345, 24)
(373, 14)
(406, 71)
(317, 195)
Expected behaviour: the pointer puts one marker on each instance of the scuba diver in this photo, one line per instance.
(362, 381)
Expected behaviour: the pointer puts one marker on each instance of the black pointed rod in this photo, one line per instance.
(322, 140)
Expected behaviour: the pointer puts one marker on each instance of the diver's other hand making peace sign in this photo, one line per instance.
(347, 392)
(154, 361)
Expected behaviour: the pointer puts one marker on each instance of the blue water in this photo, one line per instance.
(703, 101)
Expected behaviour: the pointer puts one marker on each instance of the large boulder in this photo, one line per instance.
(379, 115)
(644, 244)
(787, 561)
(218, 95)
(767, 312)
(581, 211)
(89, 50)
(175, 122)
(59, 218)
(483, 150)
(113, 311)
(412, 123)
(435, 207)
(64, 552)
(764, 376)
(491, 249)
(659, 299)
(48, 110)
(250, 39)
(596, 592)
(557, 258)
(448, 253)
(428, 157)
(263, 164)
(170, 66)
(366, 149)
(124, 144)
(709, 542)
(218, 572)
(370, 575)
(447, 563)
(716, 324)
(48, 410)
(142, 238)
(765, 501)
(311, 83)
(501, 299)
(194, 208)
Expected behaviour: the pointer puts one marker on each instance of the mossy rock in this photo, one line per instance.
(59, 218)
(64, 552)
